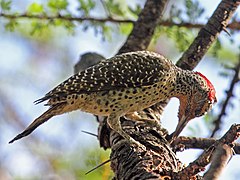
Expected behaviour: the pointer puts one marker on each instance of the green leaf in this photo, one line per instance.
(11, 25)
(35, 8)
(137, 9)
(5, 5)
(117, 8)
(86, 6)
(70, 26)
(58, 4)
(126, 28)
(193, 10)
(38, 28)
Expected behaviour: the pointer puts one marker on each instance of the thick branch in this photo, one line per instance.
(220, 158)
(133, 162)
(208, 34)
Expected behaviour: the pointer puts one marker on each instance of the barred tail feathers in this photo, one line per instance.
(52, 111)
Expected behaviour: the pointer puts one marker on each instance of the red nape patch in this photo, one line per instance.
(212, 92)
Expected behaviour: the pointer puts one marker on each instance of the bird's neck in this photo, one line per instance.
(185, 83)
(183, 89)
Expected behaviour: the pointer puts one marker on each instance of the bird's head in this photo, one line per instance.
(197, 101)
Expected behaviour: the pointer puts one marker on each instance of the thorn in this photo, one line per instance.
(103, 163)
(89, 133)
(226, 31)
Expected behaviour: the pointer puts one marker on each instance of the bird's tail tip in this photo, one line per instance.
(21, 135)
(52, 111)
(15, 138)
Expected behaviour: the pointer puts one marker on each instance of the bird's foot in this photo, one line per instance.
(136, 117)
(150, 122)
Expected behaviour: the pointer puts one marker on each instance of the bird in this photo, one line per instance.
(87, 60)
(128, 83)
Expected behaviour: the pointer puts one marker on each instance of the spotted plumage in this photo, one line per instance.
(124, 84)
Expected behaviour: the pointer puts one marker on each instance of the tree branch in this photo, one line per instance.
(182, 143)
(157, 162)
(235, 25)
(217, 122)
(65, 18)
(220, 158)
(131, 162)
(208, 34)
(204, 159)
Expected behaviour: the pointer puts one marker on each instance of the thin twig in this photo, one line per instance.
(92, 134)
(233, 26)
(98, 166)
(66, 18)
(183, 143)
(217, 123)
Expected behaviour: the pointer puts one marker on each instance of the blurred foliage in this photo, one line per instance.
(5, 5)
(81, 164)
(46, 17)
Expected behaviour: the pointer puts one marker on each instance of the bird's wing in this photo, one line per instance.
(127, 70)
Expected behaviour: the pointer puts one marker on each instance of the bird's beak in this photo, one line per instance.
(181, 124)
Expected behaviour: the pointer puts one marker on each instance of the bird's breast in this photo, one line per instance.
(121, 100)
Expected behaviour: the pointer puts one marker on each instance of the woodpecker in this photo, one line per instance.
(125, 84)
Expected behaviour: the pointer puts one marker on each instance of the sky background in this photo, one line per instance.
(30, 68)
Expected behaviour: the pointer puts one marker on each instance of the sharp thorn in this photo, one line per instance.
(98, 166)
(89, 133)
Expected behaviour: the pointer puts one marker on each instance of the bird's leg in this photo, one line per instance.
(142, 117)
(114, 122)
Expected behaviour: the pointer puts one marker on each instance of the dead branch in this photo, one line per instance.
(220, 158)
(182, 143)
(229, 94)
(205, 158)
